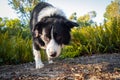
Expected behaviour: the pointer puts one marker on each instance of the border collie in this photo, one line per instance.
(50, 30)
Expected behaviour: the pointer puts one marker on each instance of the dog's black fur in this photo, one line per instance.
(61, 27)
(34, 24)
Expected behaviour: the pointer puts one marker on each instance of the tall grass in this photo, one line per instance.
(14, 49)
(92, 40)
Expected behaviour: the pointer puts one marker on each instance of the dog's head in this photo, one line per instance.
(54, 32)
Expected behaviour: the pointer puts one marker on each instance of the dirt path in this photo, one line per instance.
(96, 67)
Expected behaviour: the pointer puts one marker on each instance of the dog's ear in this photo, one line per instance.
(37, 30)
(71, 24)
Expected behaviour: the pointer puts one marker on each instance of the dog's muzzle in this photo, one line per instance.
(53, 54)
(53, 49)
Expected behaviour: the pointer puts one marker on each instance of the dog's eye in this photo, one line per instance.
(58, 37)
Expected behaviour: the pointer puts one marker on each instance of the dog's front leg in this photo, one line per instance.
(50, 61)
(37, 57)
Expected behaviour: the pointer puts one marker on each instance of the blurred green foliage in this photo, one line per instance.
(14, 49)
(15, 42)
(93, 40)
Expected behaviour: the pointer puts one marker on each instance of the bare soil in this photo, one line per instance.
(95, 67)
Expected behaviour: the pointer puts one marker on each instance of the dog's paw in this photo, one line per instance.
(39, 65)
(50, 61)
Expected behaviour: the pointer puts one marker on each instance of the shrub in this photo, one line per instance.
(92, 40)
(14, 49)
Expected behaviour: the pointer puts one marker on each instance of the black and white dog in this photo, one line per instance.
(50, 30)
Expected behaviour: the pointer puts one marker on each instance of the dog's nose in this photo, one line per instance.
(54, 54)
